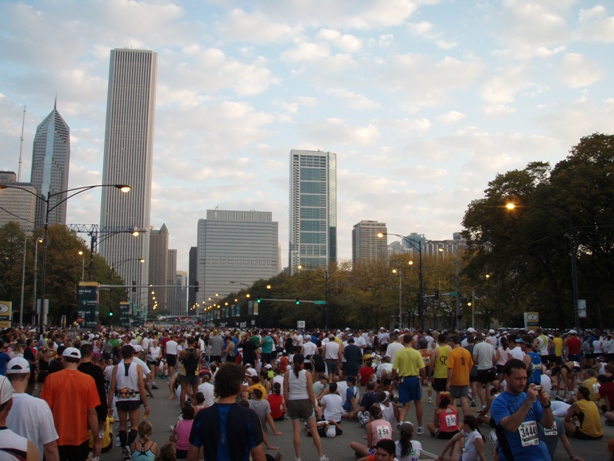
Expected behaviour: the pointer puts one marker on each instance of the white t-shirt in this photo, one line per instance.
(414, 453)
(392, 349)
(517, 353)
(342, 388)
(207, 390)
(31, 417)
(171, 347)
(333, 407)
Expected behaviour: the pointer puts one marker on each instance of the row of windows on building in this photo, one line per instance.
(238, 262)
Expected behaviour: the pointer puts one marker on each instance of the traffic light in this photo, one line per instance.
(110, 313)
(196, 287)
(258, 300)
(298, 301)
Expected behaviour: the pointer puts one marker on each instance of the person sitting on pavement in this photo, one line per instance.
(551, 438)
(406, 449)
(377, 429)
(143, 448)
(467, 445)
(584, 412)
(263, 410)
(446, 423)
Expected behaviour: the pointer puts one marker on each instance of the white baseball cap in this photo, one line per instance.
(6, 390)
(72, 352)
(17, 365)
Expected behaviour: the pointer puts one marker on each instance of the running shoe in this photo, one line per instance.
(430, 400)
(420, 430)
(493, 438)
(473, 403)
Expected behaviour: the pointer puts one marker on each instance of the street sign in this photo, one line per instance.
(319, 301)
(300, 324)
(582, 308)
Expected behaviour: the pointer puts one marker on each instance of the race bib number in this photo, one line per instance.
(551, 432)
(383, 432)
(528, 434)
(596, 387)
(451, 420)
(427, 360)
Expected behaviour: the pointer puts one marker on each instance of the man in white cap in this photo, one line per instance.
(12, 445)
(71, 394)
(30, 417)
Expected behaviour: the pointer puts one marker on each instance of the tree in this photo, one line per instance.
(563, 218)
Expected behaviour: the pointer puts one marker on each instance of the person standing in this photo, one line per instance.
(86, 366)
(128, 387)
(227, 431)
(353, 358)
(191, 360)
(516, 414)
(332, 352)
(484, 355)
(408, 372)
(459, 367)
(12, 446)
(301, 402)
(30, 417)
(216, 345)
(439, 358)
(73, 398)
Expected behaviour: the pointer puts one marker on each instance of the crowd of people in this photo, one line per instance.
(525, 389)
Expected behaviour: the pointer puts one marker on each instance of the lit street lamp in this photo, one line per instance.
(48, 209)
(400, 272)
(417, 245)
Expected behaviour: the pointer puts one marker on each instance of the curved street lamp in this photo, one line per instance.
(417, 245)
(48, 209)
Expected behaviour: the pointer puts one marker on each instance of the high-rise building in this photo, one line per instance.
(158, 266)
(128, 155)
(181, 293)
(15, 204)
(192, 277)
(313, 209)
(171, 280)
(50, 162)
(235, 246)
(366, 245)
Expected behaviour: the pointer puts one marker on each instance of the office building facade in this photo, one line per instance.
(313, 209)
(171, 281)
(235, 246)
(15, 204)
(158, 266)
(366, 245)
(128, 155)
(192, 277)
(50, 162)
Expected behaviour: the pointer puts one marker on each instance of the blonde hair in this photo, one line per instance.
(145, 429)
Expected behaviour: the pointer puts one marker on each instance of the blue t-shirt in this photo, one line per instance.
(349, 394)
(4, 359)
(506, 404)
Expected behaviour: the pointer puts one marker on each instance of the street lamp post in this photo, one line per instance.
(34, 303)
(417, 245)
(48, 209)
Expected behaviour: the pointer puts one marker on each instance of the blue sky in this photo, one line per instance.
(424, 101)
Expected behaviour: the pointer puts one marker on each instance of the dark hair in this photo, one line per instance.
(332, 388)
(472, 422)
(199, 397)
(86, 350)
(376, 411)
(388, 445)
(257, 393)
(444, 401)
(167, 452)
(188, 412)
(503, 342)
(127, 351)
(405, 442)
(407, 338)
(297, 363)
(228, 379)
(277, 388)
(442, 337)
(513, 364)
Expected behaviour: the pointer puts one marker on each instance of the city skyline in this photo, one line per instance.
(424, 102)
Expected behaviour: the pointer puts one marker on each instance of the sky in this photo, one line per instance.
(423, 101)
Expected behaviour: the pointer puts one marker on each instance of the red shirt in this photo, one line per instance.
(573, 345)
(365, 373)
(277, 405)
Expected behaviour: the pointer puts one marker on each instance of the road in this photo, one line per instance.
(164, 413)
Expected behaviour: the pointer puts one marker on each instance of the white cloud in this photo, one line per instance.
(334, 131)
(578, 71)
(451, 117)
(345, 42)
(500, 90)
(595, 25)
(256, 27)
(353, 100)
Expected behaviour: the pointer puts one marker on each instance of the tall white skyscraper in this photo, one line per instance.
(128, 154)
(313, 209)
(235, 246)
(50, 161)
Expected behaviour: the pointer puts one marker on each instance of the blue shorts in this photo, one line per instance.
(410, 389)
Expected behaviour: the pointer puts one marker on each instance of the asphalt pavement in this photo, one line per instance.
(164, 413)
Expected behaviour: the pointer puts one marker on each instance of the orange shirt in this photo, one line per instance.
(460, 361)
(69, 394)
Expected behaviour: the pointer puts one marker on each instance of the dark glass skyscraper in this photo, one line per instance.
(313, 209)
(50, 162)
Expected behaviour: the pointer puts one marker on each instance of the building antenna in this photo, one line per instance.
(23, 124)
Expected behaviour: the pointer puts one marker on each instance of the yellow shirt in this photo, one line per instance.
(460, 361)
(593, 387)
(591, 424)
(408, 362)
(558, 346)
(441, 363)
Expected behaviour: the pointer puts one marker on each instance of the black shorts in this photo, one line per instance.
(320, 368)
(582, 436)
(487, 376)
(155, 363)
(439, 384)
(128, 405)
(473, 379)
(447, 435)
(171, 360)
